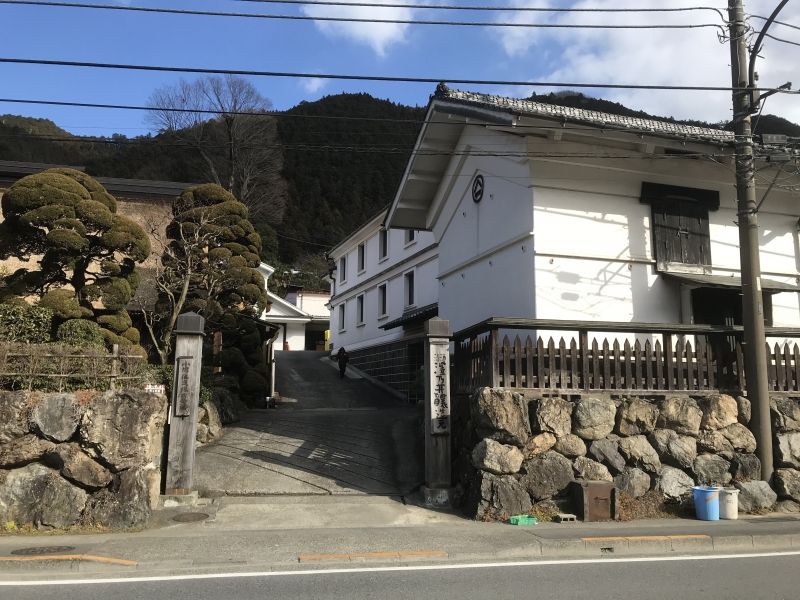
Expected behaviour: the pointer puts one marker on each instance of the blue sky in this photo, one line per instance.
(653, 56)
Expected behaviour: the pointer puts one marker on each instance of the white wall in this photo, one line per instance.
(295, 334)
(593, 242)
(485, 248)
(418, 256)
(315, 305)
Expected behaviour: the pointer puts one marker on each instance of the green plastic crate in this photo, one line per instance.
(522, 520)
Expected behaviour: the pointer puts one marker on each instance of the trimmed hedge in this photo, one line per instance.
(80, 333)
(25, 323)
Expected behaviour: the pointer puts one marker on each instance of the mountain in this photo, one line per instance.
(343, 159)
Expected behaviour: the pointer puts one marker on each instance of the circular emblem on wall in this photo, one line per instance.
(477, 188)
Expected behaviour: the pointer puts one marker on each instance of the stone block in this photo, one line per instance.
(711, 469)
(607, 452)
(594, 418)
(39, 496)
(552, 415)
(755, 496)
(719, 411)
(638, 451)
(55, 416)
(547, 475)
(500, 459)
(681, 414)
(633, 481)
(502, 415)
(637, 417)
(570, 446)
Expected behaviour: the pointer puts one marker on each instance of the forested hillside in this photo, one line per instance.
(343, 158)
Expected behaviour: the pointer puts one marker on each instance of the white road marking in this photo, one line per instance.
(448, 567)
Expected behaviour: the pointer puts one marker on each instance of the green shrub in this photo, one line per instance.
(253, 386)
(80, 333)
(118, 322)
(64, 305)
(232, 360)
(25, 323)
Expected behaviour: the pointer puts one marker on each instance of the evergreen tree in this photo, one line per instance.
(84, 254)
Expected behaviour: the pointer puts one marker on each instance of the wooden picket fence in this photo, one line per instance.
(680, 358)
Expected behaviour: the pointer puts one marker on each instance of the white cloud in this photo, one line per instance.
(653, 56)
(378, 36)
(314, 84)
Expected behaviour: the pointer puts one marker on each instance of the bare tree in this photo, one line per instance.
(180, 265)
(222, 118)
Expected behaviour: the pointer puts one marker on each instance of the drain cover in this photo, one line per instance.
(190, 517)
(38, 550)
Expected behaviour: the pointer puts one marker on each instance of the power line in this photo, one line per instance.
(208, 13)
(784, 23)
(384, 78)
(372, 148)
(282, 115)
(777, 39)
(484, 8)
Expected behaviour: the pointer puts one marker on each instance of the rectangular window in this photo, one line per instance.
(360, 310)
(341, 317)
(382, 300)
(383, 244)
(411, 236)
(680, 225)
(409, 285)
(343, 269)
(362, 258)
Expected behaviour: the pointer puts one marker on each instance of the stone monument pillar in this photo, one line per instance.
(437, 491)
(184, 403)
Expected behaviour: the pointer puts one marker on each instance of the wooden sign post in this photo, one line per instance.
(437, 490)
(185, 400)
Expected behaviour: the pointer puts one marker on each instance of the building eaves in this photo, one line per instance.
(598, 119)
(415, 315)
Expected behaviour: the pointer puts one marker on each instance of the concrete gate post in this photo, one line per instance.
(182, 418)
(437, 491)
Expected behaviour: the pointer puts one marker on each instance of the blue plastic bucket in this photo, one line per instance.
(706, 502)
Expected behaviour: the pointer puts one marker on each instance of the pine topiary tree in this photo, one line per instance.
(209, 265)
(228, 281)
(86, 252)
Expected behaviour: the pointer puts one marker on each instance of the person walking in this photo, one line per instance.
(342, 357)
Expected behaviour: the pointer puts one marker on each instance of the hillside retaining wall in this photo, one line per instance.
(519, 449)
(84, 458)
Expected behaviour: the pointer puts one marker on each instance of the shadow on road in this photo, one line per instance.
(328, 436)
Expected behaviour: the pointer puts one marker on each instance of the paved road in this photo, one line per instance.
(773, 577)
(328, 436)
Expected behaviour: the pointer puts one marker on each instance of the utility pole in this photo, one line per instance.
(752, 299)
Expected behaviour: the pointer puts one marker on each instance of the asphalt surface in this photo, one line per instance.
(327, 436)
(723, 578)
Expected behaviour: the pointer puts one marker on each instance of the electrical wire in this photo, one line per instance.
(369, 149)
(208, 13)
(519, 127)
(777, 39)
(384, 78)
(784, 23)
(484, 8)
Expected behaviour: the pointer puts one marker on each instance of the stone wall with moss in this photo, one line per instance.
(521, 453)
(83, 459)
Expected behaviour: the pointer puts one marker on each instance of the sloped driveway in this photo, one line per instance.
(327, 436)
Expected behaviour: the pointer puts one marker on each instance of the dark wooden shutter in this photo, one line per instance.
(680, 224)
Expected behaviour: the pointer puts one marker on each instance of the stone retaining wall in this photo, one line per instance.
(80, 459)
(519, 450)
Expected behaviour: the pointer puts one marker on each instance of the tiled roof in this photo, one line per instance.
(579, 115)
(414, 315)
